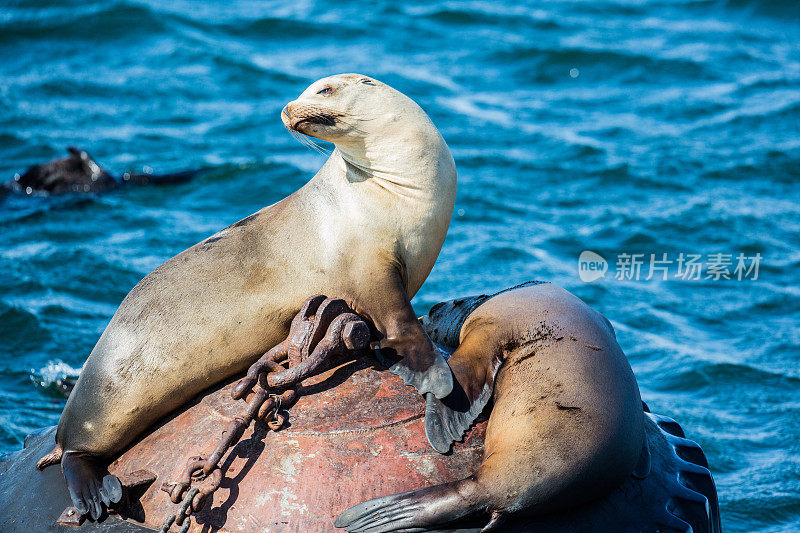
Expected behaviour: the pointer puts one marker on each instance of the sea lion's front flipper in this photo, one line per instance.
(406, 349)
(419, 364)
(447, 420)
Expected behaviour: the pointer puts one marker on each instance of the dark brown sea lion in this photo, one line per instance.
(80, 173)
(566, 426)
(368, 228)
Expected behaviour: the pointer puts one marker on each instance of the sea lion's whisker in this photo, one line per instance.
(308, 142)
(357, 116)
(315, 146)
(318, 147)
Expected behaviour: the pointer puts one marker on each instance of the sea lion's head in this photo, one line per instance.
(386, 142)
(346, 108)
(78, 172)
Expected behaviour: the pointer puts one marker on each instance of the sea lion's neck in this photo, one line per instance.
(407, 183)
(391, 177)
(412, 162)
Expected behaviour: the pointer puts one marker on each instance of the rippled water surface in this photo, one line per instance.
(639, 127)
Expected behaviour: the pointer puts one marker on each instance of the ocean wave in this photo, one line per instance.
(286, 29)
(535, 63)
(483, 14)
(56, 378)
(21, 329)
(90, 22)
(756, 110)
(780, 9)
(614, 126)
(722, 376)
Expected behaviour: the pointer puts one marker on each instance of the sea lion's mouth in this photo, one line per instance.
(297, 116)
(321, 119)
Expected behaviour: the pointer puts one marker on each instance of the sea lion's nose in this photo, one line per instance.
(286, 115)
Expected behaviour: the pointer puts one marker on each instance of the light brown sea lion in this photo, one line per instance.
(567, 424)
(368, 228)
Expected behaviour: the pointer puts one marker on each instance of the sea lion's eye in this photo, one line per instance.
(326, 90)
(367, 81)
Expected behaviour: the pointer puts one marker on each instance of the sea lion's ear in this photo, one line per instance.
(83, 155)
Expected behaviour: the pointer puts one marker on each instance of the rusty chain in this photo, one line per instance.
(324, 329)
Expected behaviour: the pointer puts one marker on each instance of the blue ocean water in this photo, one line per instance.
(624, 127)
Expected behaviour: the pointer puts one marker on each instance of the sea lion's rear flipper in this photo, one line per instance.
(89, 485)
(416, 510)
(90, 167)
(77, 154)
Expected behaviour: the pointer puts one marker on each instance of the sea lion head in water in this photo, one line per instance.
(367, 228)
(78, 172)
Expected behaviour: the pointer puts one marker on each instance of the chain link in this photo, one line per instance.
(324, 328)
(206, 471)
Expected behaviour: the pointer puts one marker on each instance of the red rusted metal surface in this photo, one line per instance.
(357, 432)
(324, 330)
